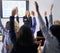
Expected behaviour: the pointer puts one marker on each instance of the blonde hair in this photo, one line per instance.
(56, 22)
(16, 25)
(32, 12)
(27, 13)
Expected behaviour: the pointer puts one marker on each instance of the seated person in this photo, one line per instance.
(25, 42)
(39, 34)
(52, 36)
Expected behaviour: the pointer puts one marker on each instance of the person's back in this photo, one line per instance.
(25, 49)
(25, 42)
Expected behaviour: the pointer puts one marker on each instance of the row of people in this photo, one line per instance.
(49, 34)
(22, 40)
(52, 35)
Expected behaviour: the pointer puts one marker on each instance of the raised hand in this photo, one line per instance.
(13, 12)
(37, 8)
(51, 8)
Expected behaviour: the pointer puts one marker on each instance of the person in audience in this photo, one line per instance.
(17, 17)
(24, 43)
(12, 29)
(33, 28)
(7, 44)
(56, 22)
(27, 19)
(51, 16)
(52, 36)
(50, 22)
(46, 19)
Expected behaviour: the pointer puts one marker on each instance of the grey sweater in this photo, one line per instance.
(51, 44)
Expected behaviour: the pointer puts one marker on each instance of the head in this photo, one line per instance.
(7, 25)
(25, 36)
(55, 29)
(32, 13)
(27, 13)
(56, 22)
(45, 13)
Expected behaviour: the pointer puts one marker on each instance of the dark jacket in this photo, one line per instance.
(12, 30)
(27, 21)
(24, 49)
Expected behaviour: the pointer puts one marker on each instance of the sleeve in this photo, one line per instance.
(12, 30)
(50, 20)
(2, 29)
(46, 33)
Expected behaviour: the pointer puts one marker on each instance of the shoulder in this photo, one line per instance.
(24, 16)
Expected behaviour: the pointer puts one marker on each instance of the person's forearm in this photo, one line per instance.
(17, 18)
(50, 20)
(46, 33)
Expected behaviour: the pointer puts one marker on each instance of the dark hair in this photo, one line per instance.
(25, 36)
(55, 29)
(7, 25)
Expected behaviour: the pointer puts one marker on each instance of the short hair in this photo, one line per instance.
(55, 30)
(32, 12)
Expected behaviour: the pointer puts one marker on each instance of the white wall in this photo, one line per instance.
(56, 12)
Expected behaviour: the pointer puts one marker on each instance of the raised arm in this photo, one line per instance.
(2, 29)
(12, 29)
(42, 24)
(51, 17)
(43, 27)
